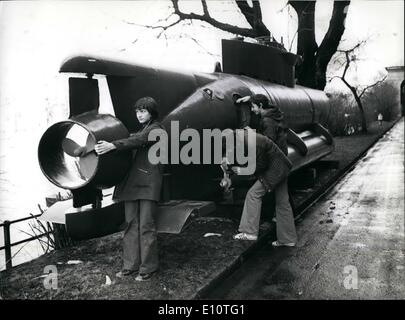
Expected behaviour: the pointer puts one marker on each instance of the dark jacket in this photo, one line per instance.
(144, 179)
(272, 165)
(272, 126)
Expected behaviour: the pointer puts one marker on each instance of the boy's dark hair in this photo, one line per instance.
(147, 103)
(260, 99)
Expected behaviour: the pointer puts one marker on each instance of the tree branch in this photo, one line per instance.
(372, 85)
(205, 8)
(356, 46)
(207, 18)
(167, 18)
(335, 31)
(347, 64)
(356, 91)
(347, 56)
(247, 11)
(163, 27)
(199, 44)
(335, 77)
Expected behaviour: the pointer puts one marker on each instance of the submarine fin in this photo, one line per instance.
(297, 141)
(83, 95)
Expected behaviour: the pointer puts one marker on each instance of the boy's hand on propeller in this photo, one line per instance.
(103, 147)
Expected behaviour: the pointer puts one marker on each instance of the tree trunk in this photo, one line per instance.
(253, 16)
(306, 45)
(363, 116)
(360, 105)
(331, 41)
(312, 72)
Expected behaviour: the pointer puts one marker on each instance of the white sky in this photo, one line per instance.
(37, 36)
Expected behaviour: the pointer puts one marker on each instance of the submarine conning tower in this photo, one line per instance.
(267, 60)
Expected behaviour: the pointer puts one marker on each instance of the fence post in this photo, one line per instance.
(7, 244)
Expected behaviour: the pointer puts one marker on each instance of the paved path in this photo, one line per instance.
(351, 244)
(365, 259)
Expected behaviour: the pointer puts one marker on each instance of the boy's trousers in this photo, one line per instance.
(140, 237)
(250, 220)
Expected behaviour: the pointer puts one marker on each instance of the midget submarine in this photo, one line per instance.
(188, 100)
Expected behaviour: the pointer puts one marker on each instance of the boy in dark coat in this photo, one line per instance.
(272, 168)
(271, 124)
(140, 190)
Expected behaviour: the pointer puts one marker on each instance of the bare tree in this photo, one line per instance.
(349, 58)
(312, 72)
(252, 14)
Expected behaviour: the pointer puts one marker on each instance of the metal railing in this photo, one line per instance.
(7, 238)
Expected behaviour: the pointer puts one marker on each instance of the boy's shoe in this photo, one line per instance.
(144, 276)
(124, 273)
(245, 236)
(279, 244)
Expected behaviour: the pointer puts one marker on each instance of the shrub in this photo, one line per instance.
(383, 99)
(344, 117)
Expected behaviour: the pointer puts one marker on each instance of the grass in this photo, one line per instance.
(188, 260)
(348, 147)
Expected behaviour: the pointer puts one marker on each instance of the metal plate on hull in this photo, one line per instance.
(86, 222)
(172, 216)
